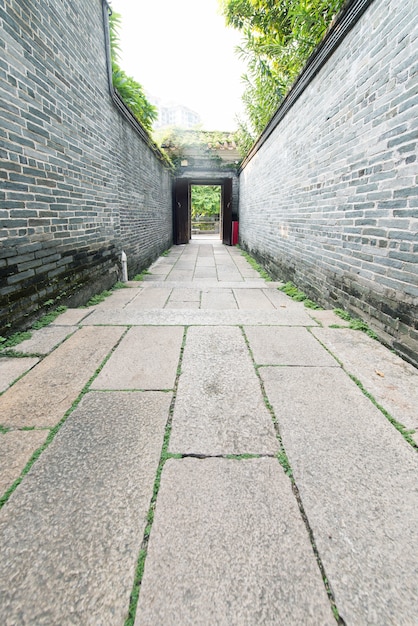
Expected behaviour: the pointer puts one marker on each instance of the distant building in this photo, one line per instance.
(173, 114)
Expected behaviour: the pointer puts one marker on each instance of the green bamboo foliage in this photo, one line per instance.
(131, 92)
(278, 38)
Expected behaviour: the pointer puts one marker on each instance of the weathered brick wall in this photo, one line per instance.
(77, 183)
(330, 200)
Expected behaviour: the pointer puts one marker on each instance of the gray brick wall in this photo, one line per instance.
(77, 183)
(330, 201)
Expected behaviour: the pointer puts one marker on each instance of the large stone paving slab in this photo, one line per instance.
(147, 358)
(219, 406)
(45, 339)
(218, 299)
(205, 272)
(11, 369)
(71, 317)
(253, 299)
(161, 269)
(71, 532)
(185, 295)
(391, 381)
(328, 318)
(229, 547)
(357, 478)
(118, 299)
(149, 298)
(174, 304)
(43, 396)
(199, 317)
(287, 346)
(16, 448)
(176, 275)
(281, 300)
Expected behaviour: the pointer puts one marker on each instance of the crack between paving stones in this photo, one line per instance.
(230, 457)
(403, 430)
(285, 463)
(133, 390)
(168, 298)
(164, 456)
(260, 366)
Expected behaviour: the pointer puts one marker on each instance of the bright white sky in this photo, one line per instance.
(181, 51)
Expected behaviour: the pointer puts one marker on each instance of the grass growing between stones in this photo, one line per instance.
(355, 323)
(256, 266)
(284, 461)
(140, 276)
(18, 337)
(299, 296)
(406, 434)
(49, 318)
(100, 297)
(165, 455)
(14, 339)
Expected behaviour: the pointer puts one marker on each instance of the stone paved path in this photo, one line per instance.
(202, 442)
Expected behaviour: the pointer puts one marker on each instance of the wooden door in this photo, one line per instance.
(181, 211)
(227, 211)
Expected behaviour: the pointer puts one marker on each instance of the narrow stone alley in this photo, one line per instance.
(212, 452)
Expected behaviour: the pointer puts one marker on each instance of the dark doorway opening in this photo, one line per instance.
(182, 201)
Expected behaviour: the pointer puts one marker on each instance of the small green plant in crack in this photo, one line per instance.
(166, 252)
(343, 314)
(98, 298)
(16, 354)
(285, 463)
(15, 339)
(3, 429)
(400, 427)
(310, 304)
(356, 323)
(49, 318)
(165, 455)
(18, 337)
(139, 571)
(119, 285)
(299, 296)
(293, 292)
(140, 276)
(256, 266)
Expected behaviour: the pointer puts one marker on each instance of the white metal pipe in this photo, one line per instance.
(124, 267)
